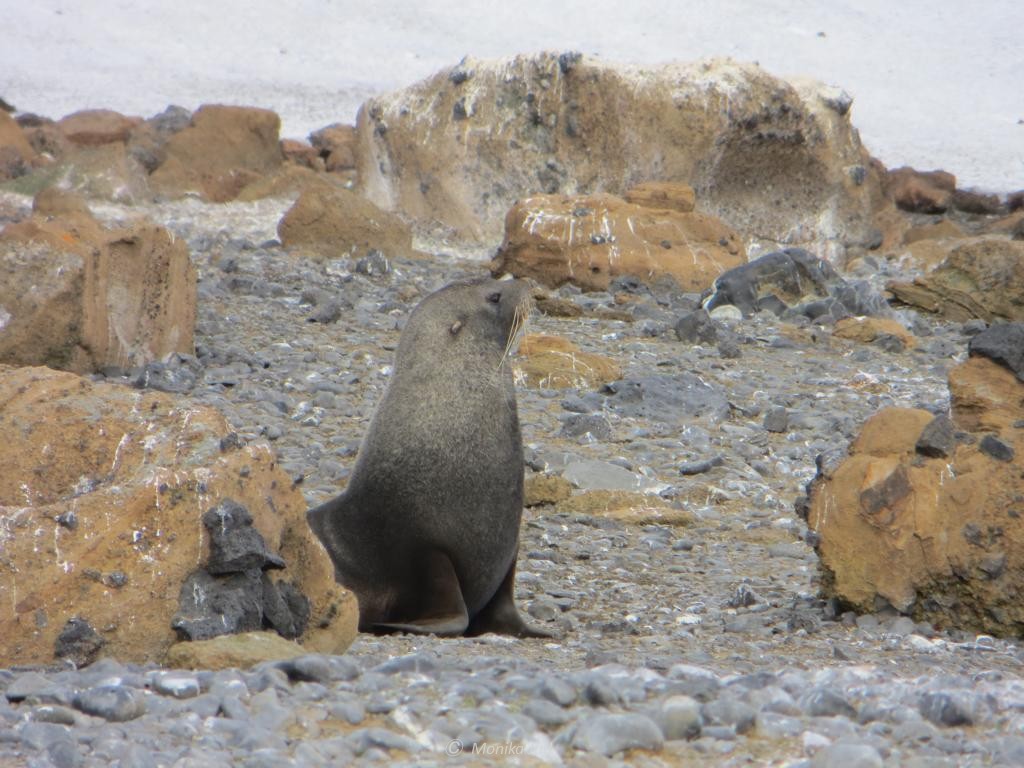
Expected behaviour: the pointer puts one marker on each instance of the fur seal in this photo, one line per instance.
(427, 532)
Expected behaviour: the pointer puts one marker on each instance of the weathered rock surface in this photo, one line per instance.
(333, 222)
(590, 240)
(555, 363)
(454, 153)
(1003, 343)
(663, 195)
(934, 533)
(223, 150)
(336, 145)
(232, 651)
(101, 493)
(981, 278)
(79, 297)
(872, 329)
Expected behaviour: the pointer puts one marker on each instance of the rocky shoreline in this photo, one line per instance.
(662, 541)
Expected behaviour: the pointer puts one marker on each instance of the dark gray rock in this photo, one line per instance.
(545, 713)
(938, 438)
(667, 399)
(826, 702)
(374, 263)
(608, 734)
(795, 279)
(776, 419)
(209, 606)
(115, 703)
(1003, 343)
(235, 546)
(37, 687)
(167, 377)
(701, 466)
(557, 690)
(992, 446)
(697, 328)
(580, 424)
(78, 642)
(419, 663)
(285, 608)
(947, 709)
(366, 739)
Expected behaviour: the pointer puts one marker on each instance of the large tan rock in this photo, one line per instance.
(775, 160)
(981, 278)
(102, 489)
(869, 329)
(104, 172)
(78, 297)
(239, 651)
(221, 152)
(934, 533)
(589, 240)
(332, 222)
(552, 362)
(94, 127)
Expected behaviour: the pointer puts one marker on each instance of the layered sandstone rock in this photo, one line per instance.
(94, 127)
(223, 150)
(980, 278)
(589, 240)
(334, 222)
(102, 492)
(927, 520)
(79, 297)
(775, 160)
(871, 329)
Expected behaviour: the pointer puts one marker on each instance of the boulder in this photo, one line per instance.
(219, 153)
(79, 297)
(981, 278)
(590, 240)
(147, 143)
(978, 203)
(17, 157)
(335, 222)
(871, 329)
(336, 144)
(933, 532)
(102, 492)
(551, 362)
(1003, 343)
(94, 127)
(104, 172)
(455, 151)
(240, 651)
(920, 191)
(793, 281)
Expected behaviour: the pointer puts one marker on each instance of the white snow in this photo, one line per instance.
(937, 83)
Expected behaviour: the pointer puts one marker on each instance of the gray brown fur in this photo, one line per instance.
(427, 532)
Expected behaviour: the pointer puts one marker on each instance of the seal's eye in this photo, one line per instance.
(494, 298)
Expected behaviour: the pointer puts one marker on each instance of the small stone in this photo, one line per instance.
(729, 712)
(826, 702)
(697, 328)
(557, 690)
(317, 668)
(947, 709)
(744, 597)
(608, 734)
(115, 703)
(545, 713)
(992, 446)
(419, 663)
(776, 419)
(78, 642)
(701, 466)
(366, 739)
(373, 264)
(680, 718)
(593, 425)
(938, 438)
(177, 685)
(845, 755)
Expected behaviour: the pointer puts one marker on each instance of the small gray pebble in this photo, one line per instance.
(844, 755)
(679, 718)
(608, 734)
(557, 690)
(111, 702)
(545, 713)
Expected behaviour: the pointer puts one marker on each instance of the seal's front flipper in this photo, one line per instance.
(430, 602)
(500, 615)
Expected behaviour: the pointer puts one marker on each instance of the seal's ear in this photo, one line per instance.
(456, 327)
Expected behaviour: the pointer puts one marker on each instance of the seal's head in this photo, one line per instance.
(486, 316)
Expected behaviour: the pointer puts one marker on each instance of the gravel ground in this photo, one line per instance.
(703, 643)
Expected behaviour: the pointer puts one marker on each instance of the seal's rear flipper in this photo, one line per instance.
(500, 615)
(431, 601)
